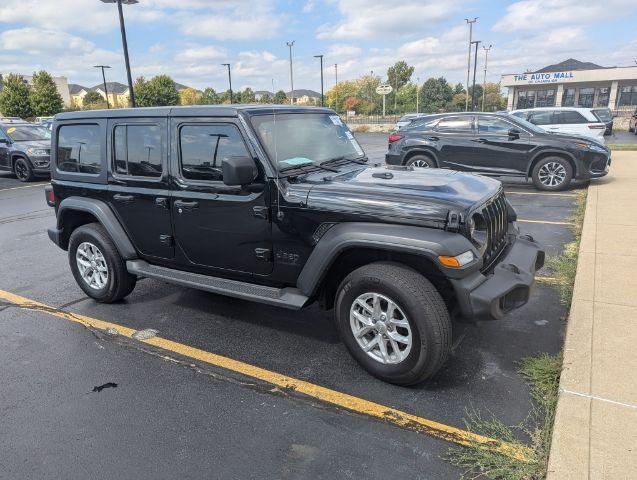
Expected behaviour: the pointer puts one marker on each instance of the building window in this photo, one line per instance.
(586, 96)
(526, 99)
(545, 98)
(603, 95)
(628, 96)
(568, 97)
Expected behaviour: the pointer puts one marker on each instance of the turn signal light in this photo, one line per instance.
(597, 127)
(457, 261)
(394, 137)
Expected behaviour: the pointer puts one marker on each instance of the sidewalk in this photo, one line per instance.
(595, 434)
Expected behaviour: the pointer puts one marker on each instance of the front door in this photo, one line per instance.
(218, 227)
(499, 152)
(138, 190)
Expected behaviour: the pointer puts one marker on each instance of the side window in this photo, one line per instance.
(570, 116)
(138, 150)
(79, 149)
(456, 124)
(493, 125)
(542, 118)
(204, 147)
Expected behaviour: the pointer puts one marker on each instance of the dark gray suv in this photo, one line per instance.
(25, 150)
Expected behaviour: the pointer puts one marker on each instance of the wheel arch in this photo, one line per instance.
(420, 151)
(14, 157)
(551, 153)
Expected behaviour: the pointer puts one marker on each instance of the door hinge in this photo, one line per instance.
(263, 254)
(166, 240)
(260, 212)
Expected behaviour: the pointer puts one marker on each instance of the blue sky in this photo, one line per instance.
(189, 39)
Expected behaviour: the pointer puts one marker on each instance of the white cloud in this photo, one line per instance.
(202, 53)
(343, 51)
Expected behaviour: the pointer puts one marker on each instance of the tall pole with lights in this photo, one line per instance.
(229, 79)
(473, 88)
(470, 23)
(322, 96)
(131, 92)
(104, 80)
(336, 86)
(484, 82)
(290, 45)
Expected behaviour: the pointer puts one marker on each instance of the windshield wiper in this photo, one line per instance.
(359, 160)
(310, 165)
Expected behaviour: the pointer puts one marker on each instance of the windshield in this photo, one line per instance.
(297, 139)
(25, 133)
(603, 114)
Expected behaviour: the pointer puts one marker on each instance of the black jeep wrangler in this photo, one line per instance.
(279, 205)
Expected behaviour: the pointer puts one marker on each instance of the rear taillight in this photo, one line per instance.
(597, 127)
(394, 137)
(50, 196)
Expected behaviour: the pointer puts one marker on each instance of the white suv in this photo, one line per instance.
(568, 120)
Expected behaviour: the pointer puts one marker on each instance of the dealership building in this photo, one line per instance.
(573, 84)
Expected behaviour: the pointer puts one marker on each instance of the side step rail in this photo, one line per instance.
(282, 297)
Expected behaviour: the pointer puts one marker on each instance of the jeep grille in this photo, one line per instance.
(495, 216)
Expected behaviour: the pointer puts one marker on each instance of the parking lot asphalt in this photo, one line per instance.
(168, 418)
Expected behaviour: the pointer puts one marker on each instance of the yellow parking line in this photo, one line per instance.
(333, 397)
(544, 221)
(25, 186)
(543, 193)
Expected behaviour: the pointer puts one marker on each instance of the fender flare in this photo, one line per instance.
(419, 149)
(427, 242)
(551, 151)
(104, 215)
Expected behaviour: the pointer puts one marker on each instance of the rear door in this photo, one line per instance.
(454, 137)
(138, 189)
(501, 151)
(571, 122)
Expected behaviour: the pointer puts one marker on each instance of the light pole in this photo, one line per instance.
(371, 95)
(290, 45)
(484, 83)
(229, 80)
(417, 94)
(321, 58)
(336, 86)
(104, 79)
(131, 92)
(470, 23)
(473, 88)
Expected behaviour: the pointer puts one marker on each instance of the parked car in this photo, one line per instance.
(632, 124)
(569, 120)
(498, 145)
(278, 205)
(407, 119)
(606, 116)
(25, 150)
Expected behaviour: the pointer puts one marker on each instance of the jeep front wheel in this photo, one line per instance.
(394, 322)
(97, 266)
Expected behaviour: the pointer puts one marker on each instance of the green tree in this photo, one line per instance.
(280, 98)
(399, 74)
(335, 97)
(189, 96)
(14, 98)
(436, 94)
(158, 91)
(406, 98)
(493, 99)
(44, 96)
(209, 97)
(459, 88)
(247, 96)
(93, 100)
(265, 98)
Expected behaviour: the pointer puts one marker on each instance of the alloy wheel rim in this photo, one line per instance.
(381, 328)
(552, 174)
(20, 170)
(420, 164)
(92, 265)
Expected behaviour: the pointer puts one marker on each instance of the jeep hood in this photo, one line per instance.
(401, 192)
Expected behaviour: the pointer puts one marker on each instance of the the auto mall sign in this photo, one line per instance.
(550, 77)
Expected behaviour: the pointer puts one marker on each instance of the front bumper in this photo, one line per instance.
(509, 286)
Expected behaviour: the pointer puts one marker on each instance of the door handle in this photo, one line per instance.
(481, 140)
(162, 202)
(118, 197)
(183, 206)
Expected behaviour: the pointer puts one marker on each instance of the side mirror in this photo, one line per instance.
(514, 133)
(239, 170)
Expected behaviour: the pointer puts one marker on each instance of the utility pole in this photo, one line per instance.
(395, 92)
(417, 94)
(475, 64)
(229, 80)
(484, 82)
(470, 23)
(290, 45)
(336, 86)
(104, 80)
(371, 95)
(131, 92)
(322, 96)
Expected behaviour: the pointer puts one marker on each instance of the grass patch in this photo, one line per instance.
(543, 375)
(622, 146)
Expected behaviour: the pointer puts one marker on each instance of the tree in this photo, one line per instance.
(14, 98)
(265, 98)
(399, 74)
(189, 96)
(280, 98)
(247, 96)
(209, 97)
(459, 88)
(45, 99)
(336, 95)
(93, 100)
(436, 94)
(158, 91)
(493, 100)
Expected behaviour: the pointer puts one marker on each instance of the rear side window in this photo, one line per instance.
(138, 150)
(455, 124)
(568, 117)
(493, 125)
(542, 118)
(204, 147)
(79, 149)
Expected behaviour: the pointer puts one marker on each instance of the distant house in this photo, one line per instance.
(77, 94)
(304, 97)
(118, 93)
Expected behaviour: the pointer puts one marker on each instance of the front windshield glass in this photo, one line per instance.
(298, 139)
(26, 133)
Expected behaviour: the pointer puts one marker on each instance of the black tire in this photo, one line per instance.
(425, 312)
(22, 170)
(119, 282)
(548, 162)
(421, 161)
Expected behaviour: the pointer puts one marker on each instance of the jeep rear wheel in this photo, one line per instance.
(22, 169)
(421, 161)
(97, 266)
(394, 322)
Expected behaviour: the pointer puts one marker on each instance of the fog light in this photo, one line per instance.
(457, 261)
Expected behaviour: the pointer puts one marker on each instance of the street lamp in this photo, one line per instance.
(321, 58)
(125, 44)
(470, 23)
(417, 94)
(290, 45)
(473, 88)
(104, 79)
(336, 86)
(229, 80)
(484, 83)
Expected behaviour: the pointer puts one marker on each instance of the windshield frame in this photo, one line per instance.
(27, 126)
